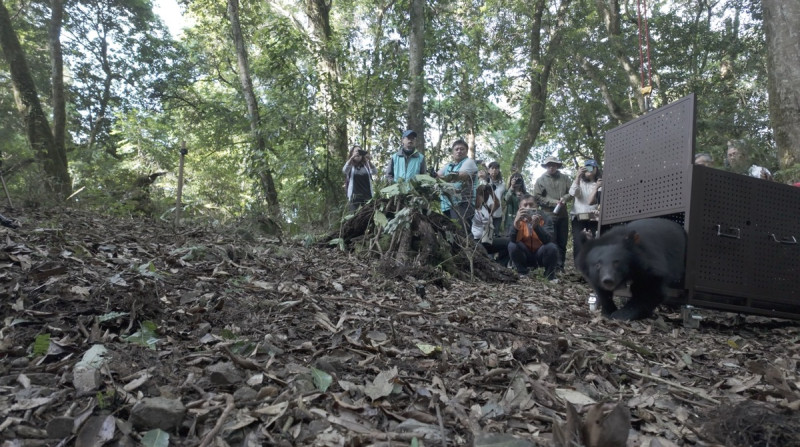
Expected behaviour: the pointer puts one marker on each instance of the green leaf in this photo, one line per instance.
(428, 349)
(146, 336)
(380, 219)
(156, 438)
(339, 242)
(322, 380)
(110, 316)
(148, 269)
(242, 347)
(41, 344)
(391, 190)
(227, 334)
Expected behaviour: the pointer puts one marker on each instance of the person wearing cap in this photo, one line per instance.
(585, 211)
(551, 192)
(495, 181)
(407, 162)
(462, 173)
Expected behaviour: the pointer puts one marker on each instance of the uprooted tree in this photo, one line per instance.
(400, 227)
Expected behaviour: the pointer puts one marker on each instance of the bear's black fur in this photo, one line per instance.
(648, 252)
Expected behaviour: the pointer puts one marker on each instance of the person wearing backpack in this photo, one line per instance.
(358, 172)
(407, 162)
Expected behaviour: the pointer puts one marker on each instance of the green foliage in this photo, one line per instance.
(41, 344)
(322, 380)
(110, 316)
(106, 399)
(155, 438)
(131, 106)
(146, 335)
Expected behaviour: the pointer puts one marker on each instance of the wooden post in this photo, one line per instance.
(5, 188)
(178, 207)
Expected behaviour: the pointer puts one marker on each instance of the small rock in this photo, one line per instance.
(267, 391)
(60, 427)
(157, 412)
(20, 362)
(224, 374)
(96, 431)
(86, 379)
(244, 394)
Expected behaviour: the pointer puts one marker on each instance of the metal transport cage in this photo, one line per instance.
(743, 252)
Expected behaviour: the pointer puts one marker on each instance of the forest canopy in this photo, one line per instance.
(268, 97)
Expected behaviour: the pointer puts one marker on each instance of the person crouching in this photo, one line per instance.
(531, 239)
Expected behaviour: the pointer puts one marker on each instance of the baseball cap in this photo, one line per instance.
(409, 133)
(590, 162)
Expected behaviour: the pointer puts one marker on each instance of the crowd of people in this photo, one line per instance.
(519, 229)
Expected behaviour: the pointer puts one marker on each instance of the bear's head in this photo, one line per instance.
(607, 265)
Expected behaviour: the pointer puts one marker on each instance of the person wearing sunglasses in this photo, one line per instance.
(585, 210)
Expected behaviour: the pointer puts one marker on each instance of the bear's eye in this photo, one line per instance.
(597, 266)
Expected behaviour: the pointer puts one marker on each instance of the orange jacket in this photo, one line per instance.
(527, 235)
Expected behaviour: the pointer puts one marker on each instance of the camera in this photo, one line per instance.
(518, 180)
(362, 152)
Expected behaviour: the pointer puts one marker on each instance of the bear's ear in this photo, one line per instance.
(633, 238)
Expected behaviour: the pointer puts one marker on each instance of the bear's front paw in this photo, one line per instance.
(629, 313)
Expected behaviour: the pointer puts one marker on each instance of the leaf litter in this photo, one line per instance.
(124, 332)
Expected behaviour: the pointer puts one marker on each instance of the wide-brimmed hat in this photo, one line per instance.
(552, 160)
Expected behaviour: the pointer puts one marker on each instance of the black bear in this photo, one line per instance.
(649, 252)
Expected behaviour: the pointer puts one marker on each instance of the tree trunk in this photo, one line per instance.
(416, 59)
(57, 76)
(260, 144)
(100, 119)
(541, 64)
(38, 128)
(782, 27)
(336, 109)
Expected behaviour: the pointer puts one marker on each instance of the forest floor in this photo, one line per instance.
(124, 332)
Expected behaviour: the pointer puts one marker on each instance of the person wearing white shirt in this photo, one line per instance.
(585, 210)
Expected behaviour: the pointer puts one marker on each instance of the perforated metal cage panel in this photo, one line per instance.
(646, 172)
(745, 239)
(743, 251)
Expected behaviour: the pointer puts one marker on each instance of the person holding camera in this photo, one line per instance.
(514, 192)
(494, 179)
(585, 211)
(483, 226)
(738, 160)
(358, 172)
(407, 162)
(531, 237)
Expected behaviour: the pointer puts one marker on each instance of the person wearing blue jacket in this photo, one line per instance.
(407, 162)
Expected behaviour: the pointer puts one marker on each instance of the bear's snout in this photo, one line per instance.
(609, 283)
